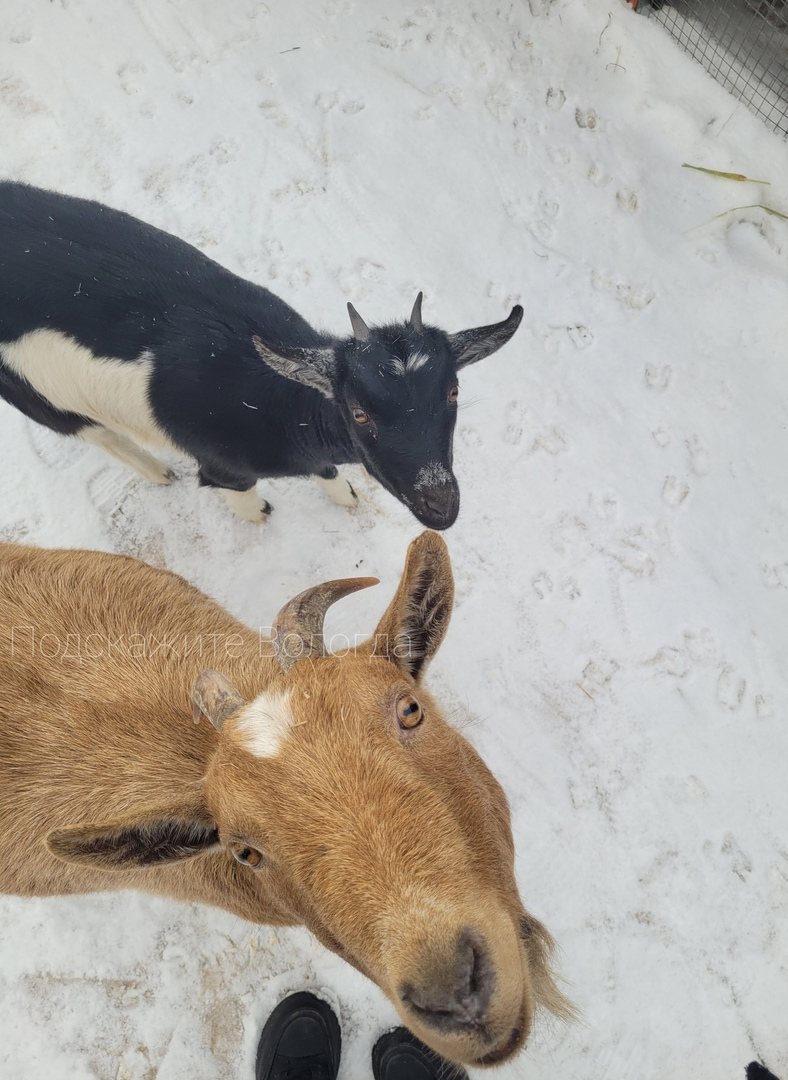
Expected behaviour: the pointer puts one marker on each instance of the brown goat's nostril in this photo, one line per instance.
(455, 993)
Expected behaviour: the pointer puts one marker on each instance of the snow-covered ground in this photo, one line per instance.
(620, 642)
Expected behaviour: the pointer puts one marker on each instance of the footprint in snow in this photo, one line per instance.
(730, 688)
(586, 118)
(764, 706)
(553, 441)
(514, 417)
(559, 155)
(598, 176)
(674, 491)
(570, 588)
(740, 864)
(542, 584)
(16, 532)
(580, 336)
(775, 576)
(132, 78)
(698, 455)
(701, 645)
(635, 297)
(658, 378)
(56, 451)
(627, 201)
(671, 661)
(597, 675)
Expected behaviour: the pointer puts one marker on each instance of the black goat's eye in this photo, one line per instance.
(360, 416)
(409, 712)
(454, 393)
(248, 856)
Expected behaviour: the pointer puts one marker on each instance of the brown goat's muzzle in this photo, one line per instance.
(465, 990)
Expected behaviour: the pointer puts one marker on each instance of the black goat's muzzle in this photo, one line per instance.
(437, 507)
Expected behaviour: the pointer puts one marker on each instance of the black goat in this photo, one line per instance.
(122, 334)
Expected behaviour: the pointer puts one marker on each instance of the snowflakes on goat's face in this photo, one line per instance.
(432, 475)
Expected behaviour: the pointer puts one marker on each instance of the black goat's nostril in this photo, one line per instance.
(439, 504)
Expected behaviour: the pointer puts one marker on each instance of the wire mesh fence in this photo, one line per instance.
(742, 43)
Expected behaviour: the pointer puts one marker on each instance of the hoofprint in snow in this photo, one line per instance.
(622, 549)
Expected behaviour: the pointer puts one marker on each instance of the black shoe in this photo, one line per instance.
(398, 1055)
(756, 1071)
(300, 1041)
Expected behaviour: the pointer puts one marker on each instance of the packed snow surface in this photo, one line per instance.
(619, 646)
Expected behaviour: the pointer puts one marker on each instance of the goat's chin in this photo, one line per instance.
(479, 1050)
(508, 1047)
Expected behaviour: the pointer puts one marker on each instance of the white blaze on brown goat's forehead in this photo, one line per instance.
(432, 475)
(262, 727)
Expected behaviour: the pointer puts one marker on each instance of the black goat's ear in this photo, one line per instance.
(470, 346)
(313, 367)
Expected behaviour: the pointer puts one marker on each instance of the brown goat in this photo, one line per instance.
(326, 791)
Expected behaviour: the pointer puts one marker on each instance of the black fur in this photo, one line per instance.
(119, 287)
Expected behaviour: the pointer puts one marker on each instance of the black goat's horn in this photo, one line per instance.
(415, 315)
(360, 328)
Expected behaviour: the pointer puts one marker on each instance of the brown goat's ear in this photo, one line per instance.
(416, 620)
(147, 841)
(214, 697)
(470, 346)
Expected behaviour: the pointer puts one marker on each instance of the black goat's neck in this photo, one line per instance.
(321, 433)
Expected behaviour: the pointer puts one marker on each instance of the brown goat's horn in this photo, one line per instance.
(360, 328)
(298, 628)
(415, 315)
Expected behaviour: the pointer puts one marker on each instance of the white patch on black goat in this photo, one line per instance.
(127, 451)
(339, 490)
(414, 362)
(112, 392)
(247, 504)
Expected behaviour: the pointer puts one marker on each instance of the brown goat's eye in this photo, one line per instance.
(249, 856)
(454, 393)
(360, 416)
(409, 712)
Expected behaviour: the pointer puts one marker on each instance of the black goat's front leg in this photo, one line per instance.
(336, 487)
(240, 492)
